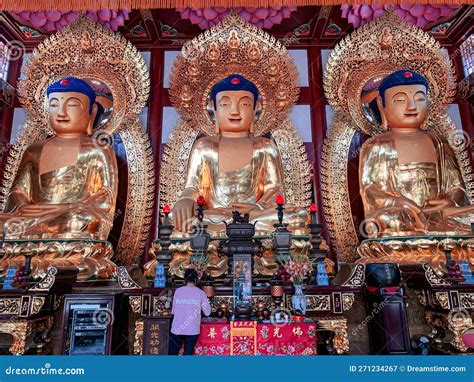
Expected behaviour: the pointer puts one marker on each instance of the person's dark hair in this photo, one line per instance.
(190, 276)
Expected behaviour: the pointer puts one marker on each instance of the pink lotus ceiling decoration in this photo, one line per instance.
(52, 21)
(419, 14)
(261, 17)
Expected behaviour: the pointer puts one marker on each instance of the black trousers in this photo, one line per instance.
(177, 340)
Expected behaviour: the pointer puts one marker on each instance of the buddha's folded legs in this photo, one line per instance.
(296, 217)
(69, 223)
(452, 225)
(393, 221)
(389, 221)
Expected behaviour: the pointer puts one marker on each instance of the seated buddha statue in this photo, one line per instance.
(66, 185)
(234, 170)
(410, 180)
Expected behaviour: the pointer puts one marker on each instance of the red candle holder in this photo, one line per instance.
(280, 201)
(200, 209)
(313, 208)
(166, 212)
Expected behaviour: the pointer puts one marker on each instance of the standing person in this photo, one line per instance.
(188, 302)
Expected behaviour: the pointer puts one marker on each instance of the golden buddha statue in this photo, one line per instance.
(233, 169)
(66, 186)
(410, 180)
(234, 143)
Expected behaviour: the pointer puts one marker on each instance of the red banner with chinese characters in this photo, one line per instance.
(243, 337)
(297, 338)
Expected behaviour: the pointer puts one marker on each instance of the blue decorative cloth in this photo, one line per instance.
(235, 82)
(73, 84)
(401, 78)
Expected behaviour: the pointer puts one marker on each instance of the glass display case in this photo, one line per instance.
(242, 285)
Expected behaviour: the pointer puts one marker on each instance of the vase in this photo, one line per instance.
(298, 300)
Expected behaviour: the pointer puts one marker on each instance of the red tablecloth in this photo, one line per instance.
(250, 338)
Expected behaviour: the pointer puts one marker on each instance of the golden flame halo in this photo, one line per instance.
(379, 48)
(234, 47)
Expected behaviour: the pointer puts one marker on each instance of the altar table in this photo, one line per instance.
(252, 338)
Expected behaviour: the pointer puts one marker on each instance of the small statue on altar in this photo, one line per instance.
(235, 170)
(411, 183)
(66, 185)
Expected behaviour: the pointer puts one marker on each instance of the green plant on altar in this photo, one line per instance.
(299, 268)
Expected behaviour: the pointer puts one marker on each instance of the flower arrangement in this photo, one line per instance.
(298, 267)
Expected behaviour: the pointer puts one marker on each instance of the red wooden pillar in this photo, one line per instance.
(464, 108)
(154, 128)
(318, 125)
(318, 117)
(6, 122)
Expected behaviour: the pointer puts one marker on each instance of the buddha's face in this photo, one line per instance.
(69, 113)
(234, 110)
(406, 106)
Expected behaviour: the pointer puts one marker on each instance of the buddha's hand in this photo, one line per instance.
(433, 206)
(244, 207)
(183, 212)
(35, 210)
(414, 211)
(101, 196)
(450, 212)
(453, 211)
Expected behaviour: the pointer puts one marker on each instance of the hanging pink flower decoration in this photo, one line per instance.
(52, 21)
(206, 18)
(420, 15)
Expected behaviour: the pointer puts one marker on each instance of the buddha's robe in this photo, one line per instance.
(257, 183)
(85, 192)
(383, 179)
